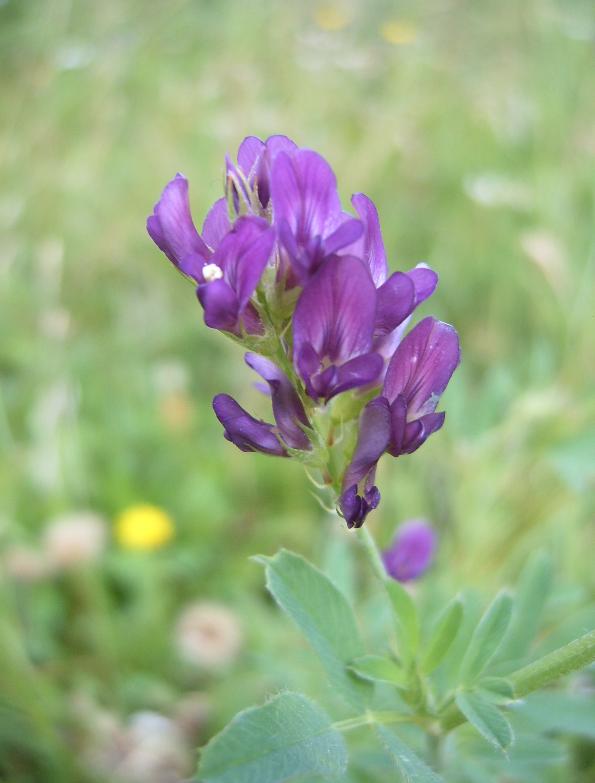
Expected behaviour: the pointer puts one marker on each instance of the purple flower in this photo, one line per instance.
(171, 228)
(333, 329)
(404, 416)
(307, 211)
(252, 174)
(232, 275)
(248, 433)
(399, 294)
(287, 408)
(411, 552)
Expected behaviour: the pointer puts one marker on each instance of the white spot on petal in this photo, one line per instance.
(212, 272)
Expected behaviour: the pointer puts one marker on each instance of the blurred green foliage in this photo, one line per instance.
(475, 137)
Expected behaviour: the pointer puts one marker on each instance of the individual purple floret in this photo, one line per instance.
(171, 228)
(248, 433)
(287, 407)
(404, 416)
(311, 224)
(333, 329)
(411, 552)
(230, 278)
(251, 177)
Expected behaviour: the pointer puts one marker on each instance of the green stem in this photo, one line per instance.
(366, 540)
(567, 659)
(369, 718)
(573, 656)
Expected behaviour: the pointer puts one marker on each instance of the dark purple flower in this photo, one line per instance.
(411, 552)
(171, 228)
(288, 410)
(417, 375)
(248, 433)
(232, 275)
(333, 329)
(404, 416)
(307, 211)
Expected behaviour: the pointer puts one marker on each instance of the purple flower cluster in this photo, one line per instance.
(281, 267)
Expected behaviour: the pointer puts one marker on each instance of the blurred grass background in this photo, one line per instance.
(472, 126)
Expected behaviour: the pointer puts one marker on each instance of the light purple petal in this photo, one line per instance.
(345, 234)
(371, 248)
(248, 433)
(411, 552)
(243, 255)
(304, 191)
(279, 143)
(273, 146)
(336, 310)
(395, 301)
(422, 365)
(171, 228)
(425, 281)
(249, 152)
(373, 438)
(216, 224)
(288, 410)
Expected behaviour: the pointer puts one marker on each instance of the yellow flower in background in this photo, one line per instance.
(332, 17)
(144, 527)
(398, 32)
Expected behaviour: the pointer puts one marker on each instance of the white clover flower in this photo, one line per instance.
(208, 635)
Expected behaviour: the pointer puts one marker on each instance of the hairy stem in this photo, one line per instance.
(570, 658)
(366, 540)
(567, 659)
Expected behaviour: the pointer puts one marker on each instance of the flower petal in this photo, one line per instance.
(395, 301)
(371, 249)
(418, 431)
(220, 304)
(411, 552)
(422, 365)
(336, 310)
(373, 440)
(216, 224)
(248, 433)
(287, 408)
(243, 255)
(304, 192)
(360, 371)
(347, 232)
(249, 152)
(355, 508)
(425, 281)
(171, 228)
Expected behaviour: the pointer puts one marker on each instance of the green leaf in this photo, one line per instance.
(322, 613)
(443, 636)
(555, 711)
(290, 736)
(405, 616)
(531, 595)
(379, 668)
(486, 638)
(486, 718)
(411, 767)
(496, 688)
